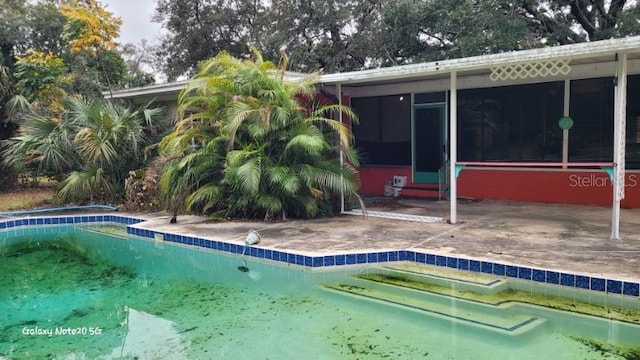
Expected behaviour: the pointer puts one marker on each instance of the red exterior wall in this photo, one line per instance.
(550, 186)
(373, 179)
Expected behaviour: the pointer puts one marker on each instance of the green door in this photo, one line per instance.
(429, 134)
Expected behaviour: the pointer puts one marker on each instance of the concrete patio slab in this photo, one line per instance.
(561, 237)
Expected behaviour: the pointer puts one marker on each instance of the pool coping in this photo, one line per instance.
(567, 279)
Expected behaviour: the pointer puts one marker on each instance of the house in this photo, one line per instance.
(557, 124)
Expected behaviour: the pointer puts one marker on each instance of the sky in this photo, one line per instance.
(136, 19)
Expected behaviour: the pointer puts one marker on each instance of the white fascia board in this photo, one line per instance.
(146, 90)
(174, 87)
(582, 71)
(592, 49)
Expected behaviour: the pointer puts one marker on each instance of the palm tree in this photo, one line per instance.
(92, 147)
(255, 145)
(43, 145)
(7, 126)
(110, 141)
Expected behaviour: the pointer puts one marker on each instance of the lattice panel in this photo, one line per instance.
(531, 70)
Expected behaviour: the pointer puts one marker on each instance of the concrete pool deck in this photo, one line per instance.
(558, 237)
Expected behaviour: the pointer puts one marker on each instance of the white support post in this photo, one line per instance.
(565, 132)
(453, 147)
(339, 94)
(619, 127)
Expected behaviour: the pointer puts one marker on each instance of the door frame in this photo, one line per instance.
(421, 177)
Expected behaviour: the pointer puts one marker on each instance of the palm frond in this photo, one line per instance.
(84, 185)
(206, 198)
(250, 174)
(260, 141)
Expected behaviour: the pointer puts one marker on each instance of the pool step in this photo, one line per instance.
(412, 275)
(497, 318)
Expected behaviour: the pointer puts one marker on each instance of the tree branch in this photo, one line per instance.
(544, 24)
(578, 11)
(615, 10)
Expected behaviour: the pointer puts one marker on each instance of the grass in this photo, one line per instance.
(26, 198)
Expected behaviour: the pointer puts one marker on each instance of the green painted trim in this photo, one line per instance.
(609, 171)
(426, 177)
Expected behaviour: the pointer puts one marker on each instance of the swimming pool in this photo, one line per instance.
(86, 290)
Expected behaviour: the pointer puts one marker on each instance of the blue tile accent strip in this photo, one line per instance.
(612, 286)
(486, 267)
(597, 284)
(538, 275)
(55, 220)
(394, 255)
(499, 269)
(582, 282)
(317, 261)
(474, 265)
(524, 273)
(463, 264)
(631, 289)
(411, 256)
(553, 277)
(329, 261)
(568, 280)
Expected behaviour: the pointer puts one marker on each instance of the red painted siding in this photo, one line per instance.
(550, 186)
(373, 179)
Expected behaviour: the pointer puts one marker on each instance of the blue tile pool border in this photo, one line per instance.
(552, 277)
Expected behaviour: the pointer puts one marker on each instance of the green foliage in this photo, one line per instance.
(12, 30)
(78, 34)
(327, 35)
(89, 27)
(45, 55)
(43, 146)
(332, 35)
(92, 147)
(90, 75)
(39, 78)
(7, 91)
(254, 145)
(12, 36)
(198, 30)
(429, 30)
(45, 25)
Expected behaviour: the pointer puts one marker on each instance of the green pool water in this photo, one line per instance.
(69, 292)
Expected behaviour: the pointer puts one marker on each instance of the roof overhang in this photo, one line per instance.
(595, 52)
(167, 91)
(582, 53)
